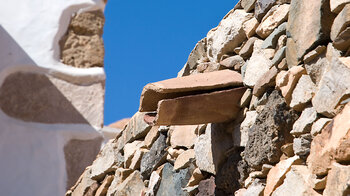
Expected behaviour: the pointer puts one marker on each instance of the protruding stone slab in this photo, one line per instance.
(250, 26)
(220, 106)
(232, 62)
(188, 85)
(332, 144)
(315, 18)
(183, 136)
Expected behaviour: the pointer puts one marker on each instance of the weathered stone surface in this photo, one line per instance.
(338, 5)
(177, 87)
(183, 136)
(155, 157)
(184, 159)
(129, 151)
(227, 180)
(246, 125)
(309, 57)
(302, 93)
(151, 136)
(221, 106)
(338, 181)
(287, 149)
(301, 146)
(196, 177)
(78, 155)
(207, 187)
(106, 159)
(286, 81)
(153, 185)
(270, 132)
(342, 42)
(42, 98)
(305, 121)
(316, 68)
(272, 39)
(274, 17)
(120, 175)
(277, 174)
(245, 100)
(198, 55)
(257, 66)
(255, 189)
(247, 48)
(295, 183)
(210, 148)
(207, 67)
(136, 128)
(315, 18)
(233, 62)
(250, 26)
(341, 22)
(102, 190)
(266, 81)
(173, 182)
(82, 46)
(83, 184)
(319, 125)
(136, 159)
(132, 185)
(283, 65)
(228, 35)
(262, 7)
(332, 89)
(248, 5)
(332, 144)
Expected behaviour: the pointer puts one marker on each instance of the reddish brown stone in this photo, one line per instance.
(188, 85)
(332, 144)
(215, 107)
(207, 187)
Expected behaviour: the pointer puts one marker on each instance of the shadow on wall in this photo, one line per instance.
(35, 97)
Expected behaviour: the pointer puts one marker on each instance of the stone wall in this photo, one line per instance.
(292, 134)
(51, 93)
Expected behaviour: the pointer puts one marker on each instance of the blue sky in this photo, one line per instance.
(149, 41)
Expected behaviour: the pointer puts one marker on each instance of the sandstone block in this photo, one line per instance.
(102, 190)
(295, 183)
(151, 136)
(286, 81)
(250, 26)
(315, 18)
(274, 17)
(248, 5)
(184, 159)
(338, 5)
(338, 180)
(245, 100)
(196, 177)
(341, 42)
(277, 174)
(183, 136)
(228, 35)
(302, 93)
(129, 151)
(319, 125)
(233, 62)
(257, 66)
(266, 81)
(304, 122)
(331, 145)
(247, 48)
(341, 22)
(132, 185)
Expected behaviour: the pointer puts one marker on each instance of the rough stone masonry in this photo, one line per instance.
(291, 135)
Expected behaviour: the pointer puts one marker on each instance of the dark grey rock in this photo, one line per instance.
(342, 42)
(155, 157)
(280, 54)
(207, 187)
(262, 7)
(228, 178)
(247, 49)
(172, 182)
(272, 39)
(270, 132)
(301, 145)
